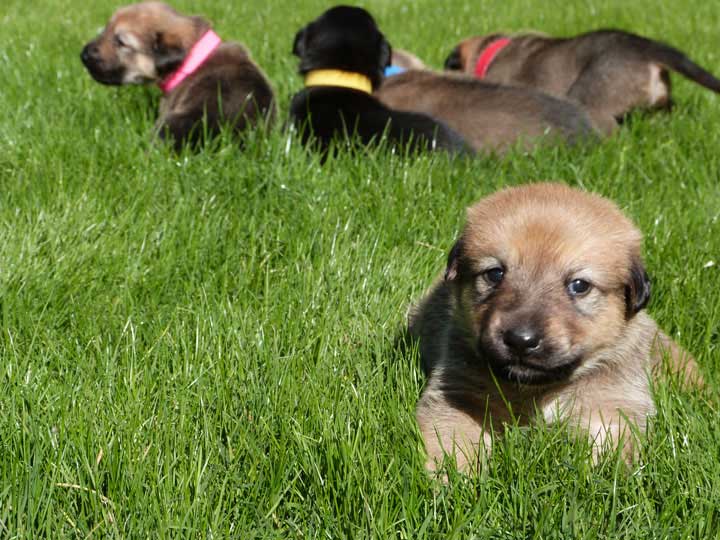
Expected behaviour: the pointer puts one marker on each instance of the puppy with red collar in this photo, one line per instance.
(608, 72)
(204, 80)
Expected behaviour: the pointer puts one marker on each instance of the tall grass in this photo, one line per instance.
(203, 345)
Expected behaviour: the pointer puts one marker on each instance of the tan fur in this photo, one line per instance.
(609, 72)
(491, 118)
(142, 41)
(544, 236)
(137, 25)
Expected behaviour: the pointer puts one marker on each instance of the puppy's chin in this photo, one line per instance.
(137, 78)
(530, 371)
(115, 77)
(524, 374)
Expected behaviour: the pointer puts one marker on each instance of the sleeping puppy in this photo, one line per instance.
(401, 61)
(406, 60)
(540, 312)
(342, 57)
(202, 78)
(490, 117)
(609, 72)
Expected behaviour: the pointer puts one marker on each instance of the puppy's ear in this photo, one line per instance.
(454, 61)
(201, 24)
(167, 56)
(299, 44)
(453, 263)
(637, 290)
(385, 53)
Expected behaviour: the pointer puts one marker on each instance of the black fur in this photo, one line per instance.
(347, 39)
(452, 271)
(344, 38)
(167, 58)
(637, 290)
(453, 61)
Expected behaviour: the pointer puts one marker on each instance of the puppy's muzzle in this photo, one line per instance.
(90, 55)
(454, 61)
(521, 353)
(98, 67)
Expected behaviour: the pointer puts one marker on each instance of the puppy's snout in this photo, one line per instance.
(522, 340)
(90, 53)
(454, 60)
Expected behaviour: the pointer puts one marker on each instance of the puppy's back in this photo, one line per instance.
(229, 89)
(329, 112)
(489, 116)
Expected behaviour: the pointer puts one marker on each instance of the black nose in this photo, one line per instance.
(89, 53)
(454, 61)
(523, 339)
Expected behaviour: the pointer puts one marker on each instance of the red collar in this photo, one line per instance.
(195, 58)
(488, 54)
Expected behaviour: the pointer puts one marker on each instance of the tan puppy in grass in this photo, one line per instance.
(206, 82)
(608, 72)
(540, 315)
(490, 117)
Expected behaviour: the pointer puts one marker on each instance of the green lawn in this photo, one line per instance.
(202, 345)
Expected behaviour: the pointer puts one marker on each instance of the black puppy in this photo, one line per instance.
(342, 57)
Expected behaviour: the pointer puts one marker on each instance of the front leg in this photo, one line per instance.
(612, 415)
(447, 430)
(612, 433)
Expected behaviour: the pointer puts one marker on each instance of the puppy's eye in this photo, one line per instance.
(494, 276)
(119, 41)
(578, 287)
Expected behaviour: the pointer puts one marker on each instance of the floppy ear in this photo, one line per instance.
(637, 290)
(385, 53)
(167, 57)
(453, 263)
(454, 61)
(299, 44)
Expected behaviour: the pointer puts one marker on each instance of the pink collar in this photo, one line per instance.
(487, 56)
(197, 56)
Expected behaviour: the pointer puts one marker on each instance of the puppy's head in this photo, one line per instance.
(344, 38)
(141, 43)
(546, 278)
(464, 56)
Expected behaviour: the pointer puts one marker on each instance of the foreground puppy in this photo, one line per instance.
(202, 78)
(342, 57)
(610, 72)
(540, 312)
(489, 116)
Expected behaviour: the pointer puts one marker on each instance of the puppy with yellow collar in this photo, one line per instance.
(203, 79)
(342, 58)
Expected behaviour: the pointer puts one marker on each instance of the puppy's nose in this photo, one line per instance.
(523, 339)
(89, 52)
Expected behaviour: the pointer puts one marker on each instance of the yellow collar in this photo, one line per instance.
(335, 77)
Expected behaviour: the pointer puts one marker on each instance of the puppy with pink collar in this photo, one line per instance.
(206, 83)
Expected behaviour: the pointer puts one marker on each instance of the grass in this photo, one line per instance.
(202, 345)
